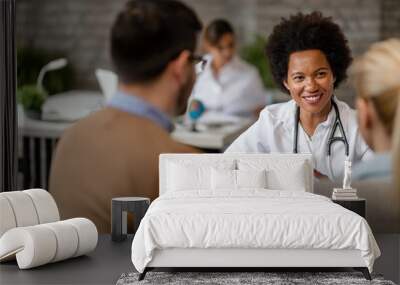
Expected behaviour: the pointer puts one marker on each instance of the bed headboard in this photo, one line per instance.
(235, 158)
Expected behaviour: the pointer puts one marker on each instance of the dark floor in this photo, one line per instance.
(389, 262)
(110, 260)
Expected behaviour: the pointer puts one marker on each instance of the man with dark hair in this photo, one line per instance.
(114, 152)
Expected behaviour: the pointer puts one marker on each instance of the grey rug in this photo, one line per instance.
(273, 278)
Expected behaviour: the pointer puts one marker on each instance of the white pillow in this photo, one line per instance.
(225, 179)
(251, 179)
(186, 174)
(291, 179)
(282, 174)
(183, 178)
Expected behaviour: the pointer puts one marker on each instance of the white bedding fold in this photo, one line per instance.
(250, 219)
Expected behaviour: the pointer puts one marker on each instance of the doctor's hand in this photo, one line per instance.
(319, 175)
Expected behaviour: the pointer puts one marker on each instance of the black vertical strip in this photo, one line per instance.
(49, 153)
(26, 162)
(37, 163)
(8, 110)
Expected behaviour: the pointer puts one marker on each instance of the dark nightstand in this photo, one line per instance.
(119, 208)
(358, 206)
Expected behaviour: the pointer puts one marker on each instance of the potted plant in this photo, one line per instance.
(32, 99)
(33, 86)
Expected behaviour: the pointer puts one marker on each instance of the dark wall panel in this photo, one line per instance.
(8, 116)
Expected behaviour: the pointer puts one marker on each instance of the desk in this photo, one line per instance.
(110, 260)
(38, 140)
(217, 139)
(42, 129)
(213, 138)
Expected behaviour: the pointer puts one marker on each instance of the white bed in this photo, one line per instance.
(201, 219)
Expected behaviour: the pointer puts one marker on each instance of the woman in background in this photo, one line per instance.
(377, 81)
(228, 85)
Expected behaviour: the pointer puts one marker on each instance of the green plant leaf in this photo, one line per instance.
(254, 54)
(31, 98)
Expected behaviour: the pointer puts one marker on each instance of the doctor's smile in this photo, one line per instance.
(310, 81)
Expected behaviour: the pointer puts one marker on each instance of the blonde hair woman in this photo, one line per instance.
(376, 78)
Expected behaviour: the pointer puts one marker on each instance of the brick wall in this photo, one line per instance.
(390, 19)
(80, 28)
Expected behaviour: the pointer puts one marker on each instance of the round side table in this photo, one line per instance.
(119, 208)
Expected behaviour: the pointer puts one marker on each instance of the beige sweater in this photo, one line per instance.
(109, 154)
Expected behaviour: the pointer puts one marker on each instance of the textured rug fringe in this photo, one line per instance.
(268, 278)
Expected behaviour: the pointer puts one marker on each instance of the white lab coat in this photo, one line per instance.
(238, 90)
(273, 132)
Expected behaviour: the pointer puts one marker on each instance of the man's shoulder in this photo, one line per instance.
(111, 119)
(119, 129)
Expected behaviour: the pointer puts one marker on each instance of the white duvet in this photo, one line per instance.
(250, 219)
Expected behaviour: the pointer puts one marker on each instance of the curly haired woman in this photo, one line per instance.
(309, 57)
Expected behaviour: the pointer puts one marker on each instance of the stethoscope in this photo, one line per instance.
(332, 137)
